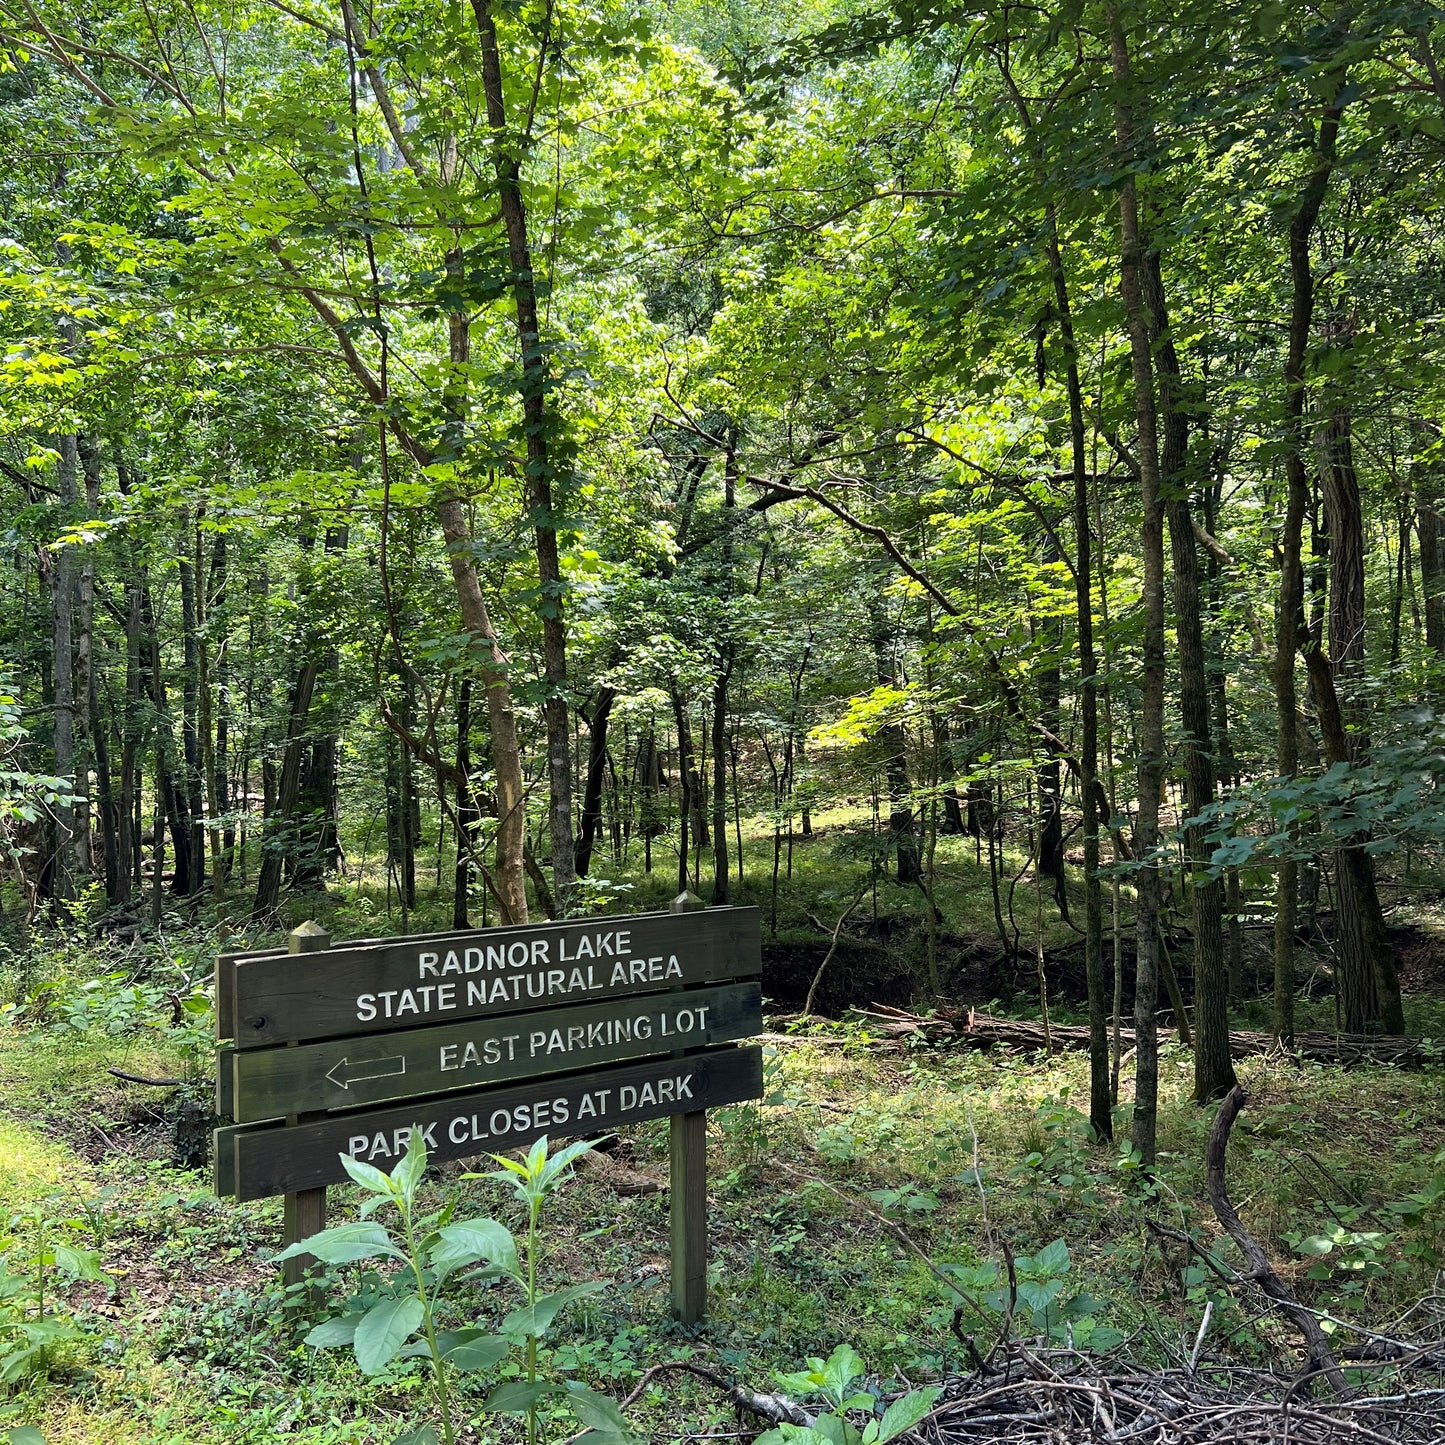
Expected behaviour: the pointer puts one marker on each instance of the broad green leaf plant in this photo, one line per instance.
(838, 1382)
(400, 1319)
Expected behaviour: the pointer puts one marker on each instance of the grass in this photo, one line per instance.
(193, 1342)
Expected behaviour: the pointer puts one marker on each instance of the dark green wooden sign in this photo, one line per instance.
(410, 1063)
(404, 983)
(253, 1162)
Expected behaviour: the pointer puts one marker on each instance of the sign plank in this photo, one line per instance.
(276, 1159)
(407, 982)
(351, 1073)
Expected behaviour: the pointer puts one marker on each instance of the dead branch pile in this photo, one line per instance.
(1062, 1396)
(985, 1031)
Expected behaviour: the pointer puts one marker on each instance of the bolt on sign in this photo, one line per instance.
(485, 1041)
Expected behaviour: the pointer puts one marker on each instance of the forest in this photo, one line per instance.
(965, 481)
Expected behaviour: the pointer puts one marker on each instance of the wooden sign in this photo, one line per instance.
(316, 1037)
(350, 1073)
(403, 983)
(254, 1162)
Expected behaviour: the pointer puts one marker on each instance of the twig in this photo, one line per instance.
(138, 1079)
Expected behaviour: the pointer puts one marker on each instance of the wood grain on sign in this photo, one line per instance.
(275, 1159)
(410, 1063)
(407, 982)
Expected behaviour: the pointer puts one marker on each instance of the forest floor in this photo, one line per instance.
(861, 1146)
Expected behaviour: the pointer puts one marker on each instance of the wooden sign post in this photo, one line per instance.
(485, 1041)
(304, 1212)
(687, 1195)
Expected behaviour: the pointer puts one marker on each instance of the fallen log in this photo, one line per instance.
(986, 1031)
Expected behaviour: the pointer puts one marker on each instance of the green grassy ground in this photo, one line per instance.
(190, 1340)
(189, 1337)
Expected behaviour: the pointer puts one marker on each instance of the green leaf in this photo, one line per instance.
(474, 1239)
(345, 1244)
(331, 1334)
(516, 1397)
(368, 1176)
(1052, 1259)
(384, 1330)
(79, 1263)
(1316, 1244)
(563, 1157)
(473, 1349)
(407, 1175)
(24, 1435)
(905, 1412)
(422, 1435)
(843, 1366)
(600, 1413)
(537, 1319)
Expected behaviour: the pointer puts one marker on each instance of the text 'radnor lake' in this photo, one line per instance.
(525, 969)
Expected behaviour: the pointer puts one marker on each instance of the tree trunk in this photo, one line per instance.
(720, 864)
(217, 699)
(596, 778)
(1213, 1068)
(1151, 708)
(1048, 777)
(1432, 575)
(129, 844)
(62, 664)
(168, 787)
(542, 445)
(893, 741)
(190, 696)
(1289, 619)
(86, 738)
(1369, 984)
(1100, 1097)
(466, 810)
(273, 848)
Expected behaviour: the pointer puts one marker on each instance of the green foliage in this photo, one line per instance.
(837, 1382)
(34, 1262)
(1035, 1296)
(395, 1317)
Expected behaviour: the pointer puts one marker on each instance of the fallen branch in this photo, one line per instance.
(1317, 1346)
(985, 1031)
(140, 1079)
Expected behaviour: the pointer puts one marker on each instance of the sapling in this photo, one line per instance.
(431, 1250)
(837, 1382)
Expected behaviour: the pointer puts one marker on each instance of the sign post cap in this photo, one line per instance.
(308, 937)
(686, 902)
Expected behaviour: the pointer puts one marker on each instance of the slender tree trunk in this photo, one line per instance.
(62, 612)
(1369, 983)
(168, 786)
(273, 852)
(543, 445)
(720, 787)
(466, 811)
(686, 773)
(128, 843)
(511, 876)
(1432, 575)
(86, 739)
(1151, 709)
(1289, 619)
(1048, 776)
(190, 695)
(1213, 1068)
(596, 778)
(1100, 1097)
(894, 742)
(218, 778)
